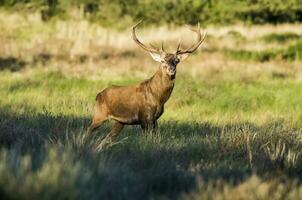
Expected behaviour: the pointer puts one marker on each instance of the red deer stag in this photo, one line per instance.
(142, 103)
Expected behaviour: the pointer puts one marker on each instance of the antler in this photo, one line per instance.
(195, 46)
(178, 46)
(157, 49)
(152, 50)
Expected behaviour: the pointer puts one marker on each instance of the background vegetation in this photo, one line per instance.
(231, 129)
(120, 13)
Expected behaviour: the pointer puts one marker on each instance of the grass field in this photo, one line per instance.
(231, 129)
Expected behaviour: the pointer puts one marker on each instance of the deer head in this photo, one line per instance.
(169, 61)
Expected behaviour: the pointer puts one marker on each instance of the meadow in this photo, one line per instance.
(232, 128)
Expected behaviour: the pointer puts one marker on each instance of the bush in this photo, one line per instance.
(112, 12)
(281, 37)
(290, 53)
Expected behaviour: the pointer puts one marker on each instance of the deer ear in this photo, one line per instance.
(156, 56)
(181, 57)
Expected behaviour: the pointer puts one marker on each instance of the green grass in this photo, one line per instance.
(46, 152)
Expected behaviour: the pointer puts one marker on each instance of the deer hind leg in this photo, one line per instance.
(115, 130)
(98, 119)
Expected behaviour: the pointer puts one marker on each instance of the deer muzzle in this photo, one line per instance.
(171, 70)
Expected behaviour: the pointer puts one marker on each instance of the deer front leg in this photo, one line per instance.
(149, 126)
(115, 130)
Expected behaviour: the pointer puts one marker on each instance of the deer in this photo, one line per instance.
(143, 103)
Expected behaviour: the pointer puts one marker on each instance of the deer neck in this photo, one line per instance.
(161, 85)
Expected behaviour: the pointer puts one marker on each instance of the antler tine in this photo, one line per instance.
(200, 39)
(178, 46)
(158, 49)
(162, 46)
(154, 47)
(152, 50)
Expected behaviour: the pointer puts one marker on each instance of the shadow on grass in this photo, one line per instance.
(144, 165)
(12, 64)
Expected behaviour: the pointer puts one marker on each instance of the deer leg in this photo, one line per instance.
(98, 119)
(115, 130)
(155, 129)
(94, 125)
(149, 126)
